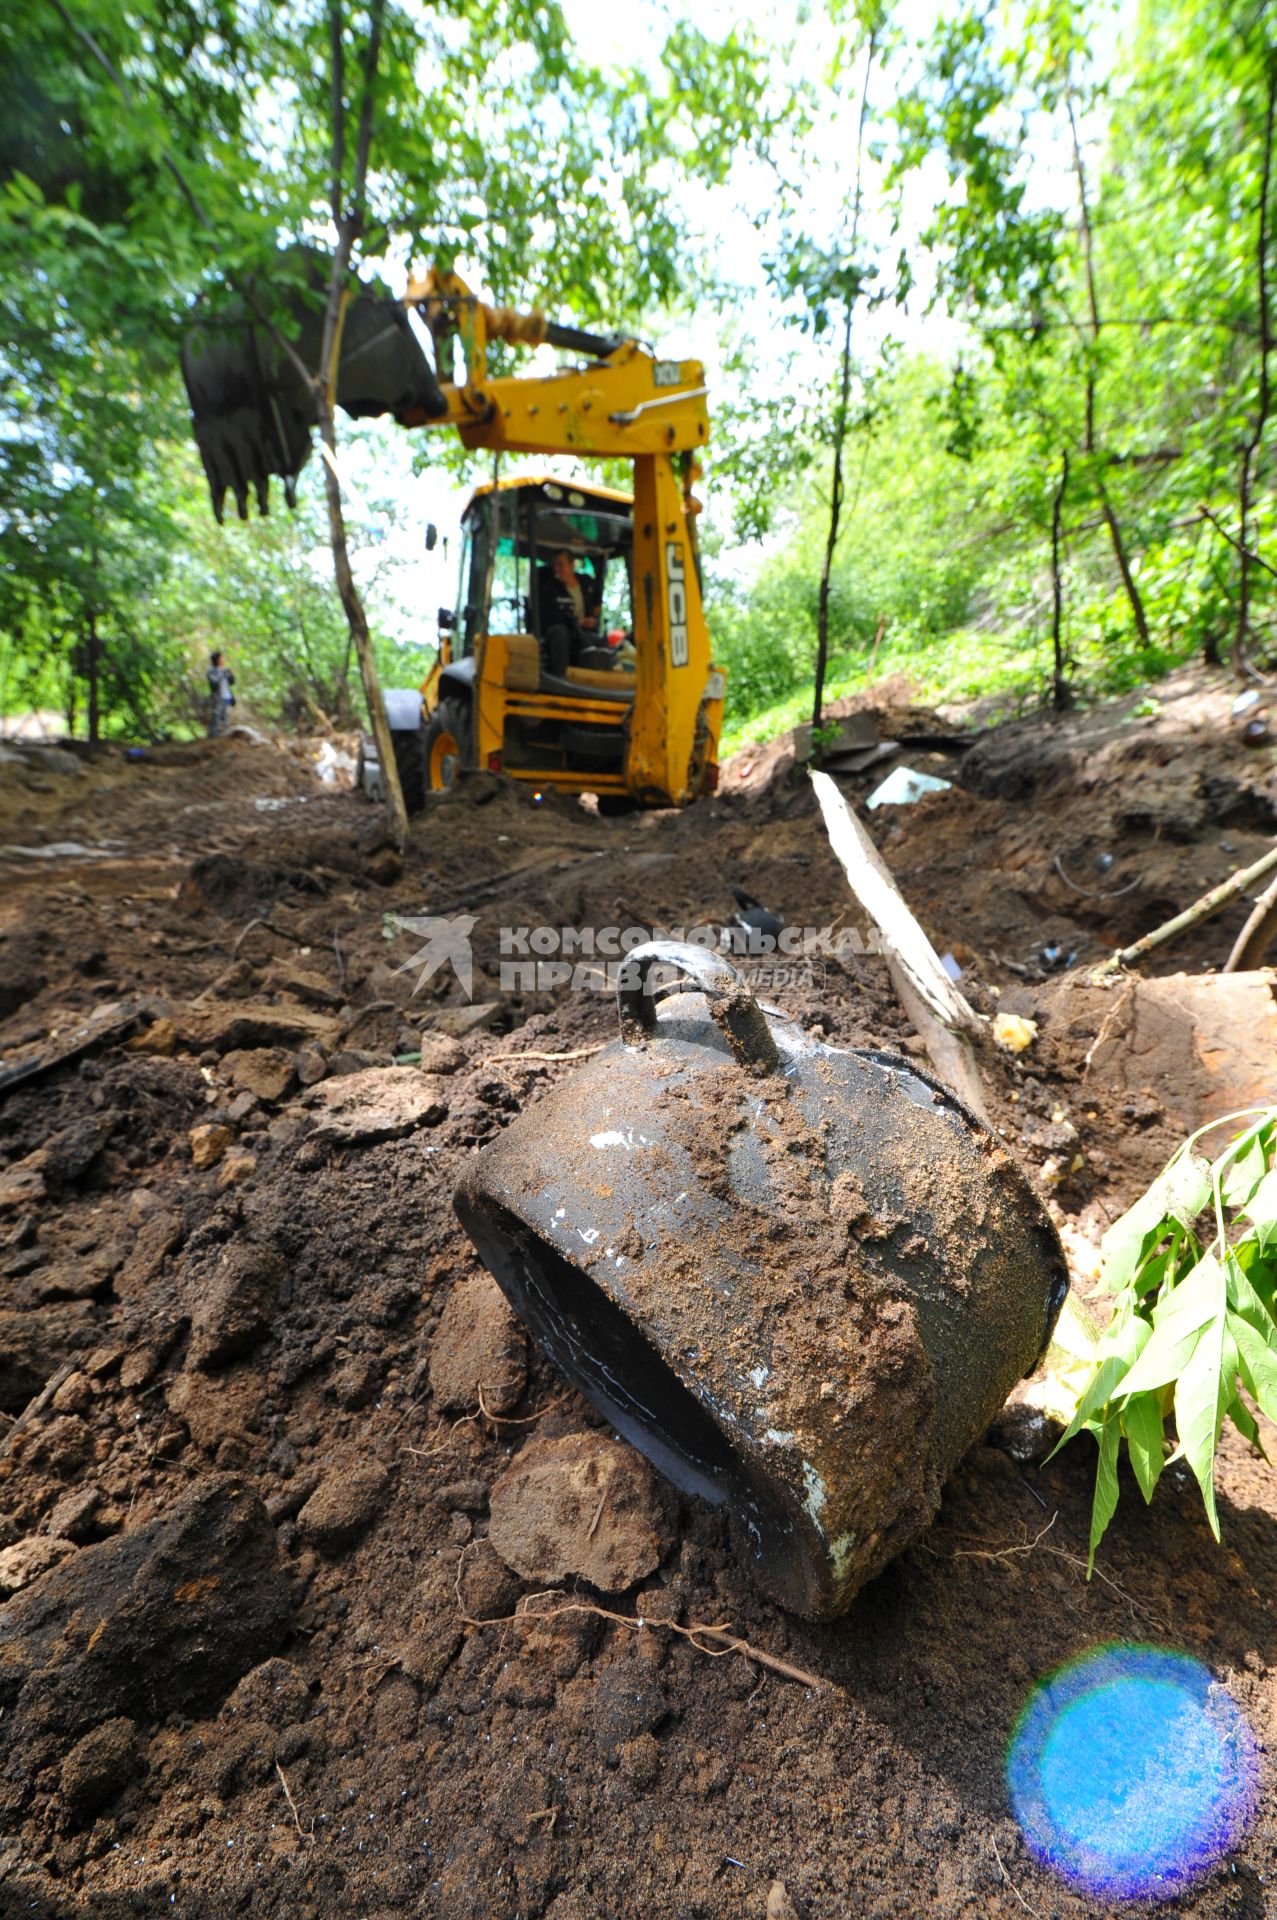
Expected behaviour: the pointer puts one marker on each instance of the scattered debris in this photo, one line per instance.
(903, 786)
(941, 1017)
(106, 1025)
(1013, 1032)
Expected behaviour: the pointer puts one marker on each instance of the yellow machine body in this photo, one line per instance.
(658, 744)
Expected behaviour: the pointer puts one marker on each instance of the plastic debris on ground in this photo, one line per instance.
(334, 767)
(1013, 1032)
(903, 786)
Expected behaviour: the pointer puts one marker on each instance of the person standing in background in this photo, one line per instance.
(220, 698)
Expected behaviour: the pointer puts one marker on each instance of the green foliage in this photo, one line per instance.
(1129, 340)
(1194, 1320)
(149, 153)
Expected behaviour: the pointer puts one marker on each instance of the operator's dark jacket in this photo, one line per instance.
(554, 602)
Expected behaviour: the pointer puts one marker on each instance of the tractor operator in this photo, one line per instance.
(568, 605)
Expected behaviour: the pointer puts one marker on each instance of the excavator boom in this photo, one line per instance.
(255, 407)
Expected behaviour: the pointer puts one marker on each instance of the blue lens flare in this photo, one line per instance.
(1131, 1770)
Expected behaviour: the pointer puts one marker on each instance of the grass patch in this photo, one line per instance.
(1012, 670)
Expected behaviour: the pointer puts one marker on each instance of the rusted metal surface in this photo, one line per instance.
(801, 1280)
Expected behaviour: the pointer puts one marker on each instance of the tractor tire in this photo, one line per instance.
(446, 744)
(410, 761)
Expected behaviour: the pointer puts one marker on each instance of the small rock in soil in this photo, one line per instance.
(465, 1496)
(355, 1384)
(98, 1766)
(779, 1904)
(311, 1065)
(209, 1142)
(234, 1028)
(343, 1506)
(71, 1153)
(640, 1759)
(479, 1345)
(28, 1559)
(266, 1072)
(75, 1395)
(233, 1311)
(282, 976)
(159, 1038)
(580, 1506)
(627, 1700)
(72, 1517)
(489, 1591)
(159, 1236)
(22, 1184)
(440, 1053)
(235, 1169)
(381, 1103)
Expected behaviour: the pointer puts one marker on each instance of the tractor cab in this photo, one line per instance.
(512, 533)
(536, 668)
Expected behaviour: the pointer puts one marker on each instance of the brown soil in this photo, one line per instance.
(247, 1531)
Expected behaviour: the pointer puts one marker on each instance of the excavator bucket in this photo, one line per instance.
(253, 409)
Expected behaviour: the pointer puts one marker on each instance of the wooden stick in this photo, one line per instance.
(941, 1017)
(1250, 949)
(1209, 904)
(37, 1405)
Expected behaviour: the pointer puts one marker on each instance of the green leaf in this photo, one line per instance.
(1246, 1301)
(1142, 1423)
(1176, 1196)
(1120, 1347)
(1258, 1364)
(1260, 1208)
(1104, 1504)
(1202, 1393)
(1243, 1174)
(1178, 1320)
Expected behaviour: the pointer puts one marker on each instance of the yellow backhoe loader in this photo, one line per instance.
(577, 654)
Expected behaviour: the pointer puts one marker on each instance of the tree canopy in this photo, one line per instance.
(992, 402)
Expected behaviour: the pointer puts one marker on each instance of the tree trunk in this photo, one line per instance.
(357, 621)
(1134, 597)
(840, 414)
(92, 668)
(831, 532)
(1061, 696)
(1133, 594)
(348, 218)
(1250, 451)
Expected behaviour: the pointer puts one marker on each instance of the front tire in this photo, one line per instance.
(410, 762)
(445, 744)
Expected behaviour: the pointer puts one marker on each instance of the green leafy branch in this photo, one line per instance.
(1192, 1267)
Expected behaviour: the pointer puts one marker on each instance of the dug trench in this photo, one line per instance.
(278, 1465)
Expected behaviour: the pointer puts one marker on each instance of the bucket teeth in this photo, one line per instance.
(252, 408)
